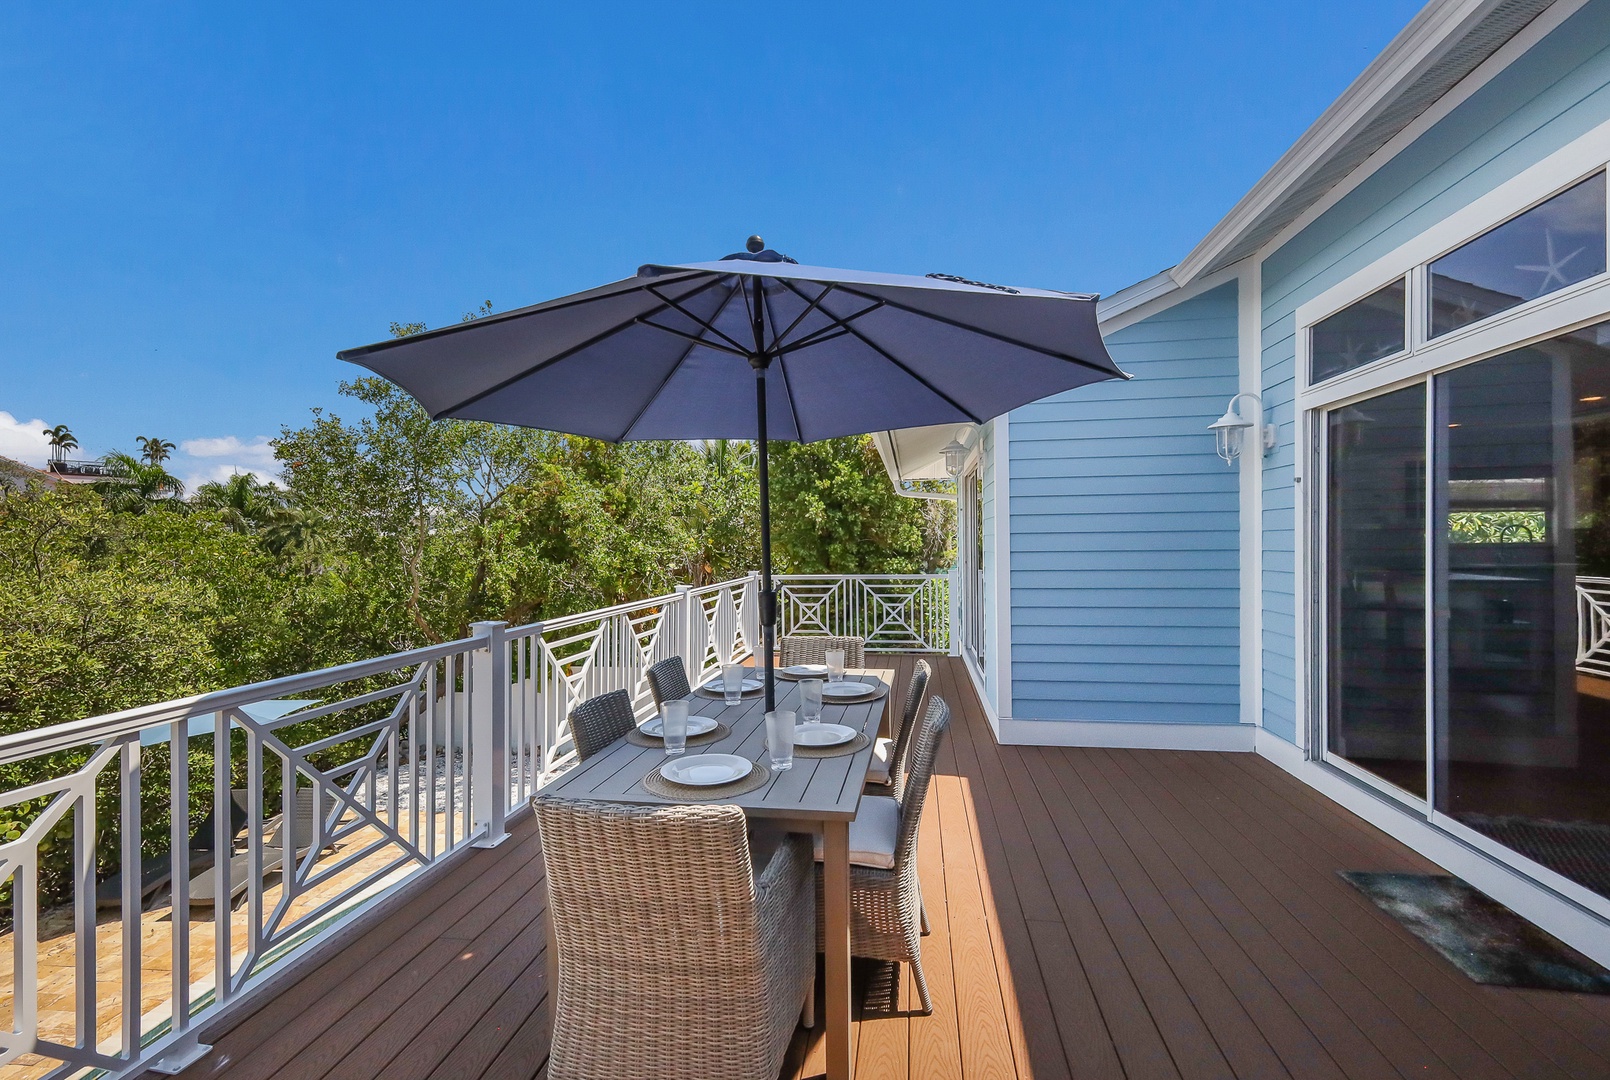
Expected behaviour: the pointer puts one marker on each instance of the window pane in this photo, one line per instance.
(1362, 332)
(1376, 657)
(1556, 244)
(1523, 724)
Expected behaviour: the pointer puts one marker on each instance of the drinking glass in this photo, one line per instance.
(732, 682)
(674, 715)
(810, 700)
(780, 738)
(835, 665)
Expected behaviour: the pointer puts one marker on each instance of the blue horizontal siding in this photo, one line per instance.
(1554, 93)
(1125, 533)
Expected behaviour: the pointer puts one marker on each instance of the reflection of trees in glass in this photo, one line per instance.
(1498, 527)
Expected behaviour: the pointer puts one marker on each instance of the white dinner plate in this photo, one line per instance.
(697, 725)
(822, 734)
(718, 687)
(706, 770)
(847, 689)
(807, 671)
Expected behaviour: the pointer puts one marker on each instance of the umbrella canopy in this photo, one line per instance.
(681, 351)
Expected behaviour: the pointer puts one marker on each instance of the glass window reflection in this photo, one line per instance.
(1359, 334)
(1553, 245)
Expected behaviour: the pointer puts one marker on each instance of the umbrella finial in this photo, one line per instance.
(755, 245)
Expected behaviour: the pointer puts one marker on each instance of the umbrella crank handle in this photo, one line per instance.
(768, 608)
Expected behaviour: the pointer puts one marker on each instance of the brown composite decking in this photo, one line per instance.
(1096, 914)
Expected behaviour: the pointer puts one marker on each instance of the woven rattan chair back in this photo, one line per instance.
(674, 961)
(908, 723)
(812, 649)
(918, 775)
(668, 681)
(599, 721)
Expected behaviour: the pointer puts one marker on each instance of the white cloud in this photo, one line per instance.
(259, 451)
(217, 459)
(24, 440)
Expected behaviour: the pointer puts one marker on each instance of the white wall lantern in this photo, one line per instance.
(955, 453)
(1229, 428)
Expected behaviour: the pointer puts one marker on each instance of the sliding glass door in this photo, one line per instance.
(1514, 528)
(1375, 644)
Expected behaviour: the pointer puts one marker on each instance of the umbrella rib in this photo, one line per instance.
(827, 333)
(1069, 357)
(741, 351)
(810, 306)
(788, 384)
(881, 351)
(674, 368)
(351, 355)
(695, 338)
(566, 354)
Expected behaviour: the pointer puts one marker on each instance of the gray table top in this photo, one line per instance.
(815, 788)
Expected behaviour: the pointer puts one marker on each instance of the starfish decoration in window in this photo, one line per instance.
(1553, 269)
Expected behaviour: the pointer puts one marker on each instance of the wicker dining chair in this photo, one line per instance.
(599, 721)
(888, 754)
(668, 681)
(676, 959)
(812, 649)
(885, 895)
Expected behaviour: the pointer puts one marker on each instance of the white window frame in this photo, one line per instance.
(1574, 307)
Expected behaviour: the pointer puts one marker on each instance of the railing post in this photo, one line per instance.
(687, 640)
(751, 615)
(489, 731)
(953, 609)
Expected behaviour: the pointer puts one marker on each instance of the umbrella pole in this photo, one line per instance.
(768, 598)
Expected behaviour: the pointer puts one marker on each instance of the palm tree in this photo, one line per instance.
(155, 450)
(243, 502)
(61, 441)
(134, 486)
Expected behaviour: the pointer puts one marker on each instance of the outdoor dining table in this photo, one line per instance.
(817, 794)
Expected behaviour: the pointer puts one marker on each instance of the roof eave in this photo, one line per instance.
(1427, 37)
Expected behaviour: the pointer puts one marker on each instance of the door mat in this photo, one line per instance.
(1579, 850)
(1478, 935)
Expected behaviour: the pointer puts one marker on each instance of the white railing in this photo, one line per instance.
(893, 612)
(379, 769)
(1593, 626)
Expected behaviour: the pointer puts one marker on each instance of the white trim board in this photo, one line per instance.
(1249, 349)
(1559, 916)
(979, 692)
(1126, 735)
(1000, 657)
(1161, 299)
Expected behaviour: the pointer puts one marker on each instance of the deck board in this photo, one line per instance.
(1103, 914)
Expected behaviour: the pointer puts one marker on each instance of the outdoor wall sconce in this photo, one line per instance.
(955, 453)
(1227, 429)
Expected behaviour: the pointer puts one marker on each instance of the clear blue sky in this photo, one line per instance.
(203, 202)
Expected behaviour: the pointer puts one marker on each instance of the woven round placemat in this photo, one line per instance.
(656, 784)
(882, 689)
(720, 731)
(841, 750)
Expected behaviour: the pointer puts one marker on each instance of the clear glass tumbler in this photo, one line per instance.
(835, 665)
(732, 682)
(780, 738)
(810, 700)
(674, 715)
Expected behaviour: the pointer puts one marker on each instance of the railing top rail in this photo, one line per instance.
(860, 577)
(46, 740)
(566, 621)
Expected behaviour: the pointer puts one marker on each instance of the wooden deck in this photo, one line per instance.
(1096, 914)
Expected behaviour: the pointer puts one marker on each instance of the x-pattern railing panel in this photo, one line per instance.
(893, 612)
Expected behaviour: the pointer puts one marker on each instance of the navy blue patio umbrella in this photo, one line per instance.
(674, 352)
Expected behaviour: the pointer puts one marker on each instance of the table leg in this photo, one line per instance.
(836, 926)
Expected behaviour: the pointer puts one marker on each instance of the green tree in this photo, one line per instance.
(244, 503)
(154, 450)
(834, 512)
(134, 486)
(62, 439)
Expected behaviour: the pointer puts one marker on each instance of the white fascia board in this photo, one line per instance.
(1429, 35)
(1110, 308)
